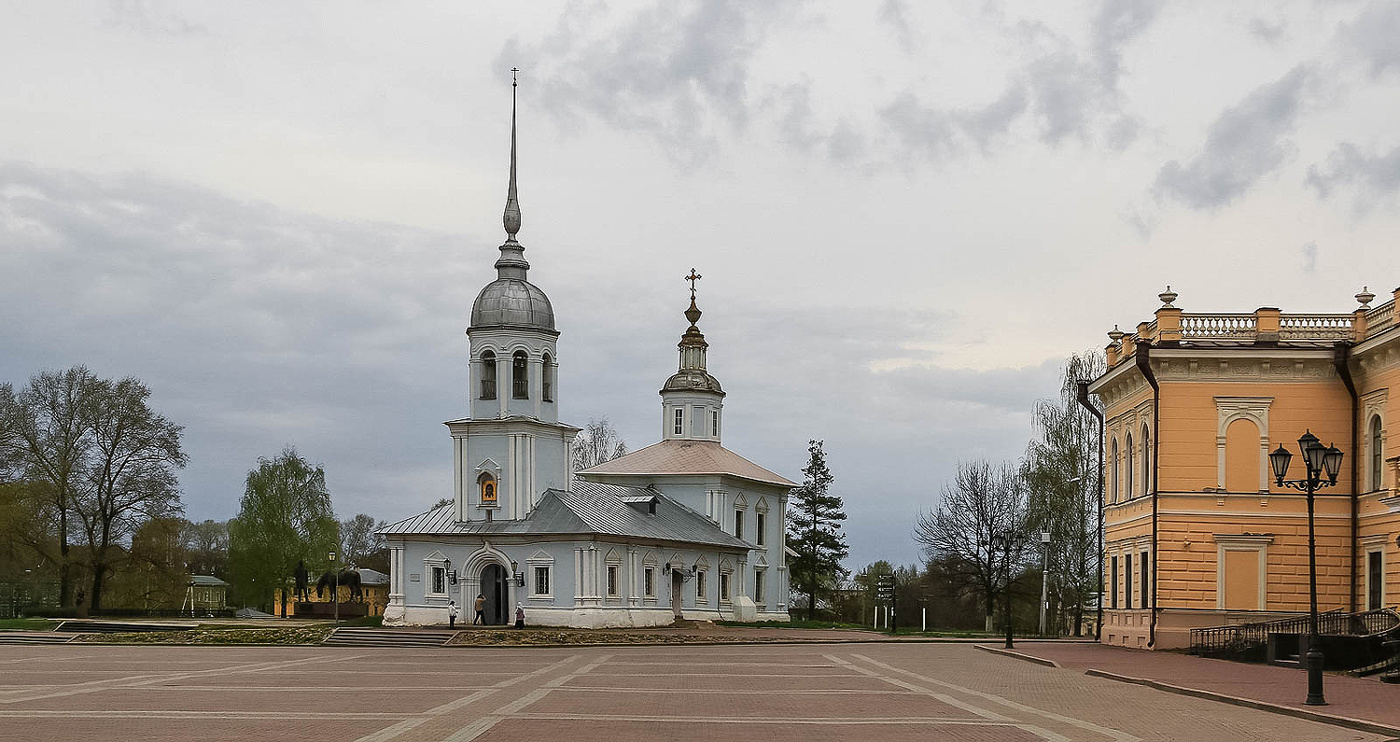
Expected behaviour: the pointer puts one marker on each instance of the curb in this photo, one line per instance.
(1018, 655)
(1360, 725)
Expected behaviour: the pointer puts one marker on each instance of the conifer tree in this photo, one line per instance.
(814, 531)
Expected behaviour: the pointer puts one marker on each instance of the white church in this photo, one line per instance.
(684, 528)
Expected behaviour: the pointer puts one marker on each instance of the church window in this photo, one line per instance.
(762, 516)
(680, 421)
(612, 581)
(738, 524)
(520, 375)
(697, 416)
(488, 375)
(488, 490)
(1374, 452)
(714, 424)
(700, 587)
(649, 582)
(758, 586)
(724, 587)
(547, 380)
(1131, 491)
(541, 581)
(439, 583)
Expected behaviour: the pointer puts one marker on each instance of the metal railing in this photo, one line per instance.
(1242, 638)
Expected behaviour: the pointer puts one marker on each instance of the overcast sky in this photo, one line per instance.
(277, 215)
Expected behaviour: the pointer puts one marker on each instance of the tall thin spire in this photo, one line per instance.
(512, 263)
(512, 215)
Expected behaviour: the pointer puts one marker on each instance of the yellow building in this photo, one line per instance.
(1196, 531)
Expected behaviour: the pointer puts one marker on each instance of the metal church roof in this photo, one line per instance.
(687, 457)
(589, 508)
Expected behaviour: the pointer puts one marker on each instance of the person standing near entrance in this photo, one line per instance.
(452, 612)
(480, 610)
(519, 616)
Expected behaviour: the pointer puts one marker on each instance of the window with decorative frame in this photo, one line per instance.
(439, 580)
(760, 527)
(758, 586)
(541, 581)
(700, 596)
(1375, 454)
(547, 380)
(649, 582)
(679, 415)
(739, 524)
(724, 587)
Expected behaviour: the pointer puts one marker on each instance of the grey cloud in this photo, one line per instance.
(895, 14)
(1309, 253)
(1375, 177)
(1267, 30)
(150, 17)
(1372, 38)
(677, 71)
(1247, 142)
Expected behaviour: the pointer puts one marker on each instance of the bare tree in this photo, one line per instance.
(978, 531)
(1060, 470)
(131, 470)
(360, 542)
(43, 439)
(597, 443)
(206, 547)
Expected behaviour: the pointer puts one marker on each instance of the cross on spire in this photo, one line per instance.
(513, 72)
(693, 277)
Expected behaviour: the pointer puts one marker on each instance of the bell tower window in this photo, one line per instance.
(488, 375)
(520, 375)
(547, 379)
(680, 421)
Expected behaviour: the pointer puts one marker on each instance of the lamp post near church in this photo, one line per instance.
(1321, 461)
(1004, 541)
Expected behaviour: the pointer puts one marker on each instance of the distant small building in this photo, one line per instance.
(204, 594)
(374, 592)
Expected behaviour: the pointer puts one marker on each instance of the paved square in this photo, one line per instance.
(886, 692)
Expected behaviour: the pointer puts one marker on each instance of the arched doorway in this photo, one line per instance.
(493, 586)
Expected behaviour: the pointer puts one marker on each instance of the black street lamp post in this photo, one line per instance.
(1003, 541)
(1323, 464)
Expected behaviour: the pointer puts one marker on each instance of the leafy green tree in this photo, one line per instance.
(285, 516)
(814, 531)
(1060, 470)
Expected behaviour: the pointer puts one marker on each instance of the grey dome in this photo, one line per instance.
(692, 380)
(512, 302)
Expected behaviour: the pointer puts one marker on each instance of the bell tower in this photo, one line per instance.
(511, 447)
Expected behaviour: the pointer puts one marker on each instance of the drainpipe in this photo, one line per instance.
(1341, 354)
(1083, 396)
(1141, 357)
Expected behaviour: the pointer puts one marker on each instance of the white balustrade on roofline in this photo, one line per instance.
(1381, 318)
(1315, 327)
(1224, 326)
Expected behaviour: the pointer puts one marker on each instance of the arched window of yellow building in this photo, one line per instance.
(1242, 456)
(1113, 471)
(1132, 491)
(1146, 462)
(1374, 453)
(488, 489)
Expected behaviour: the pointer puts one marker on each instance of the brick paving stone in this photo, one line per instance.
(1357, 698)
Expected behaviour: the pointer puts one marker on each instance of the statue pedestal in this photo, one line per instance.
(327, 610)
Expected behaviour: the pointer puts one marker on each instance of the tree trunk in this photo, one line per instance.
(65, 574)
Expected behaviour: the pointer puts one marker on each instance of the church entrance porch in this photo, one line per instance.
(677, 592)
(493, 586)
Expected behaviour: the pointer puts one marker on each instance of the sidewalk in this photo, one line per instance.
(1365, 699)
